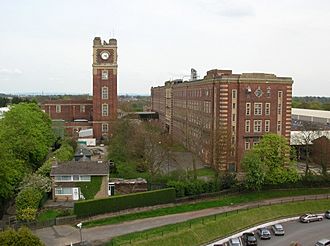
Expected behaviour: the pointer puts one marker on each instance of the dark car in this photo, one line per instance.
(306, 218)
(249, 238)
(278, 230)
(327, 214)
(264, 233)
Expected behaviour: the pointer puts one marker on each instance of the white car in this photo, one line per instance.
(278, 230)
(306, 218)
(236, 241)
(323, 242)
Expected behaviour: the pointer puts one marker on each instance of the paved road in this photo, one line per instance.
(65, 234)
(306, 234)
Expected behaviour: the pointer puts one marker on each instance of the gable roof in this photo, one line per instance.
(92, 168)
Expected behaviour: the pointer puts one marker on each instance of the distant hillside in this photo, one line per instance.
(318, 103)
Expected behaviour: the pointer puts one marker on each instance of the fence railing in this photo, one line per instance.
(175, 228)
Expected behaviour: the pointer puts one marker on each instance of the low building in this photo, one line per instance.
(119, 186)
(68, 178)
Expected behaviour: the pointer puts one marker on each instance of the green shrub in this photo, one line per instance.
(117, 203)
(27, 203)
(89, 189)
(22, 237)
(193, 187)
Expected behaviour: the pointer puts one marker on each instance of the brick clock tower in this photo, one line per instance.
(104, 86)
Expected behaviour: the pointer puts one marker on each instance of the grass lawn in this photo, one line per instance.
(217, 202)
(48, 214)
(202, 230)
(205, 171)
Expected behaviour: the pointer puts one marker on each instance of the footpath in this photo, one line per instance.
(67, 234)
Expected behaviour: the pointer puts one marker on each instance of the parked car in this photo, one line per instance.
(264, 233)
(278, 230)
(323, 242)
(249, 238)
(236, 241)
(327, 214)
(306, 218)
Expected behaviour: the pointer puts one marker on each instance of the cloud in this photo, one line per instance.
(7, 71)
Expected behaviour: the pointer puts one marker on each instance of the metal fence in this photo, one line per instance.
(234, 209)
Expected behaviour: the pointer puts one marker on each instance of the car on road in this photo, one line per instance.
(306, 218)
(278, 230)
(249, 238)
(236, 241)
(264, 233)
(323, 242)
(327, 214)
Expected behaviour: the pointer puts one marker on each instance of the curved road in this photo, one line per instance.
(307, 234)
(65, 234)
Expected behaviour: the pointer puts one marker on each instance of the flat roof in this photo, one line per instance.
(311, 112)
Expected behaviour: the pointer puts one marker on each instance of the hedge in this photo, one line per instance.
(117, 203)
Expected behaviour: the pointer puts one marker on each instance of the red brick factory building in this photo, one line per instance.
(222, 115)
(96, 113)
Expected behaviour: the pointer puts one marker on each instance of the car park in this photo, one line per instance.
(278, 230)
(306, 218)
(323, 242)
(249, 238)
(264, 233)
(236, 241)
(327, 214)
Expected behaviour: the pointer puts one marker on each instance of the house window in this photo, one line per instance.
(58, 109)
(63, 191)
(247, 144)
(234, 117)
(63, 178)
(105, 94)
(267, 109)
(105, 74)
(247, 125)
(105, 127)
(234, 105)
(75, 177)
(279, 126)
(255, 141)
(82, 108)
(85, 178)
(257, 124)
(257, 108)
(234, 93)
(280, 94)
(104, 109)
(248, 109)
(267, 125)
(279, 108)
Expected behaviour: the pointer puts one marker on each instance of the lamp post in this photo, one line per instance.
(80, 226)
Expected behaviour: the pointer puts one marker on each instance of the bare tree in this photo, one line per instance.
(308, 131)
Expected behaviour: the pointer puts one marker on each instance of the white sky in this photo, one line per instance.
(46, 45)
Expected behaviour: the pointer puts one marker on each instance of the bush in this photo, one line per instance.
(193, 187)
(117, 203)
(27, 203)
(89, 189)
(22, 237)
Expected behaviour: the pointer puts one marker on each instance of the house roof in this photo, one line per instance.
(92, 168)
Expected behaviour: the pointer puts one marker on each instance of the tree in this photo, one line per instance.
(308, 131)
(27, 131)
(255, 170)
(22, 237)
(269, 161)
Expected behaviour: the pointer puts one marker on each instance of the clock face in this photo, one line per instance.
(105, 55)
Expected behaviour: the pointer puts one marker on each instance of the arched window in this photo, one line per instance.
(105, 92)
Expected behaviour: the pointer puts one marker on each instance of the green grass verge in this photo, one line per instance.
(202, 230)
(48, 215)
(217, 202)
(205, 171)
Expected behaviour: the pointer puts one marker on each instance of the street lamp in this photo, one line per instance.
(80, 226)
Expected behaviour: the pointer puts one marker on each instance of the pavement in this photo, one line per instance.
(66, 234)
